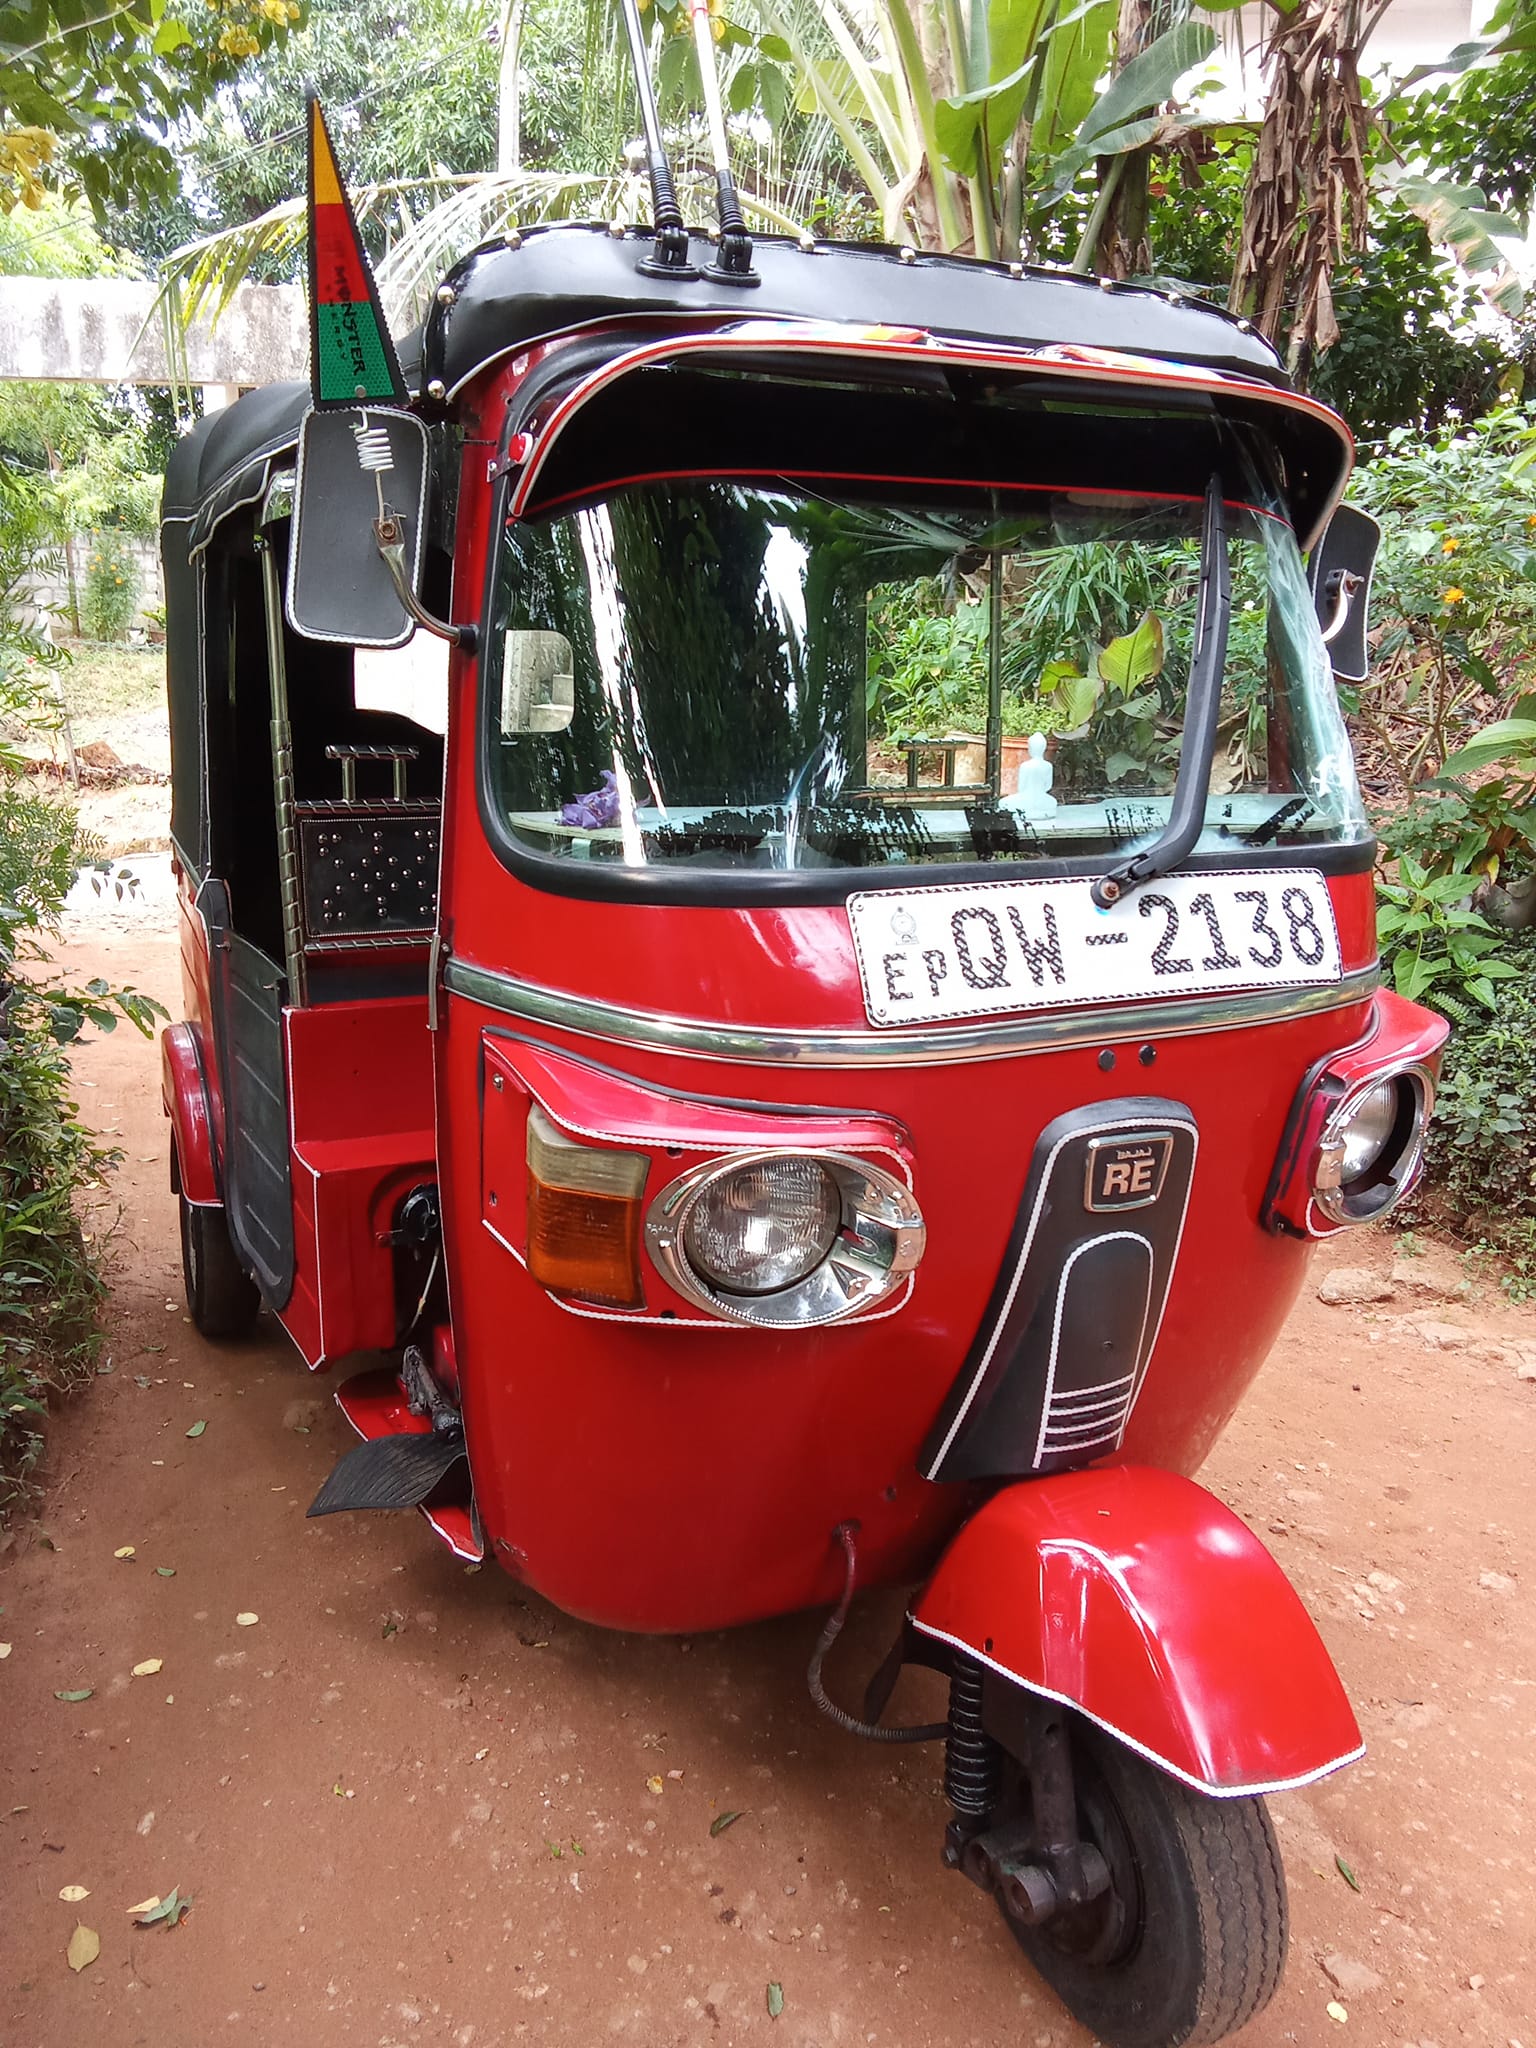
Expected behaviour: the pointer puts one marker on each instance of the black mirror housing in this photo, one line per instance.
(1339, 572)
(339, 585)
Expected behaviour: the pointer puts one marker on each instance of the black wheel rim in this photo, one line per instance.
(1106, 1930)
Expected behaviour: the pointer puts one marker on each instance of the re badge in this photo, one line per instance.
(1126, 1172)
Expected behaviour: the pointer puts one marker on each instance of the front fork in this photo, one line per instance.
(1029, 1850)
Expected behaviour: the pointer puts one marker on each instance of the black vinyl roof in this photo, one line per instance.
(503, 297)
(557, 278)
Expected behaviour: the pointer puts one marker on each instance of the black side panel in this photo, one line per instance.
(248, 1037)
(1054, 1370)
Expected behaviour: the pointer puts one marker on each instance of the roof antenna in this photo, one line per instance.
(734, 265)
(671, 244)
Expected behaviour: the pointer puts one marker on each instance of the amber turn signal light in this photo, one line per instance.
(583, 1216)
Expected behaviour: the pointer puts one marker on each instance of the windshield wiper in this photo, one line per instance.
(1202, 709)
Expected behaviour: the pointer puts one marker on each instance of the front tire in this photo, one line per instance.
(1189, 1942)
(221, 1296)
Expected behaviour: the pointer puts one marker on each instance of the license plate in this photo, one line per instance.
(978, 949)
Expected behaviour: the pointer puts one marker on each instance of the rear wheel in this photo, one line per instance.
(221, 1295)
(1189, 1941)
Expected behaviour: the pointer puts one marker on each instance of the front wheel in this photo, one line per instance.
(1189, 1941)
(222, 1297)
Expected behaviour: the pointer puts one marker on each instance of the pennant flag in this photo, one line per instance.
(351, 356)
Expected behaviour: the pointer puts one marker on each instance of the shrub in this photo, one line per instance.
(1482, 1146)
(111, 594)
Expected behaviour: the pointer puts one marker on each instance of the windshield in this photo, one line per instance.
(792, 674)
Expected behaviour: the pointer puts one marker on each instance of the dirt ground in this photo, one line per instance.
(414, 1805)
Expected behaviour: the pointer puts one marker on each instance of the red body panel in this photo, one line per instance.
(184, 1092)
(1135, 1596)
(689, 1475)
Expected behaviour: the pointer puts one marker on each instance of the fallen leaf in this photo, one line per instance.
(151, 1347)
(722, 1821)
(148, 1668)
(84, 1948)
(83, 1692)
(167, 1910)
(5, 1651)
(653, 1784)
(144, 1906)
(677, 1775)
(1336, 2011)
(165, 1571)
(126, 1551)
(197, 1429)
(246, 1620)
(1346, 1873)
(481, 1755)
(74, 1893)
(775, 2000)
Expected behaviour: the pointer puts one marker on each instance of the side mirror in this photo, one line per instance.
(359, 467)
(1340, 575)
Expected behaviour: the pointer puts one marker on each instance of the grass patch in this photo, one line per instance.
(105, 680)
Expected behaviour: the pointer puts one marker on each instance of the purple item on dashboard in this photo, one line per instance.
(597, 807)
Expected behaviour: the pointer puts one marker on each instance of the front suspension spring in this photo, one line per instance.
(973, 1762)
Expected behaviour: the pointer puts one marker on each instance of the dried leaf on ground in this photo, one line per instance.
(78, 1693)
(144, 1906)
(166, 1911)
(165, 1571)
(1336, 2011)
(148, 1667)
(197, 1429)
(775, 2000)
(72, 1894)
(5, 1651)
(1346, 1873)
(246, 1620)
(722, 1821)
(84, 1948)
(654, 1784)
(126, 1551)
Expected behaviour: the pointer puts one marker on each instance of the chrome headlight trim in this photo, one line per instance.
(1394, 1173)
(879, 1242)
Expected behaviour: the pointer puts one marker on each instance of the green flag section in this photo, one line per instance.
(352, 359)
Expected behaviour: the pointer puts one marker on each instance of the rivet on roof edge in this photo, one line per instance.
(437, 389)
(512, 239)
(1106, 284)
(446, 295)
(1245, 327)
(1015, 270)
(616, 229)
(808, 244)
(908, 253)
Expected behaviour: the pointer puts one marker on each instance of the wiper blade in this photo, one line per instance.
(1202, 709)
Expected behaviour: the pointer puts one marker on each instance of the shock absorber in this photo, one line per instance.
(973, 1762)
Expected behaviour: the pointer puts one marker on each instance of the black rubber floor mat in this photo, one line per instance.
(389, 1472)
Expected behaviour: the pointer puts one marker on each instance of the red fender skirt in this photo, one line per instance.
(1134, 1596)
(184, 1092)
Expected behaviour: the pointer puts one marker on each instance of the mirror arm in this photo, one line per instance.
(390, 537)
(1345, 584)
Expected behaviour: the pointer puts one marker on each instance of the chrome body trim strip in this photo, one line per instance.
(988, 1039)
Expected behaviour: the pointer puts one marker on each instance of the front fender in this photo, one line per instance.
(1134, 1596)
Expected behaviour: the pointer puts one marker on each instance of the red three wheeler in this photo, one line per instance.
(635, 983)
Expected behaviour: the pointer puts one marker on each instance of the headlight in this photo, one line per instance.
(758, 1228)
(1371, 1151)
(785, 1238)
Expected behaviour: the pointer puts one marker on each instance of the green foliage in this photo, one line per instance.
(89, 95)
(1437, 950)
(111, 591)
(49, 1287)
(1482, 1146)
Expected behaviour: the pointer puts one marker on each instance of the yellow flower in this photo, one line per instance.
(1449, 545)
(1530, 518)
(1452, 596)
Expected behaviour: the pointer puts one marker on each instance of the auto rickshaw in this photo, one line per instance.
(603, 1005)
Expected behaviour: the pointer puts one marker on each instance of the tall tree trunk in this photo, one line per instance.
(1306, 199)
(1123, 249)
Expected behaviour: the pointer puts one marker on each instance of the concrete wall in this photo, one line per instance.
(50, 593)
(104, 331)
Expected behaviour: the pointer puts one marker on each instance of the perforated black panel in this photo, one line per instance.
(369, 870)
